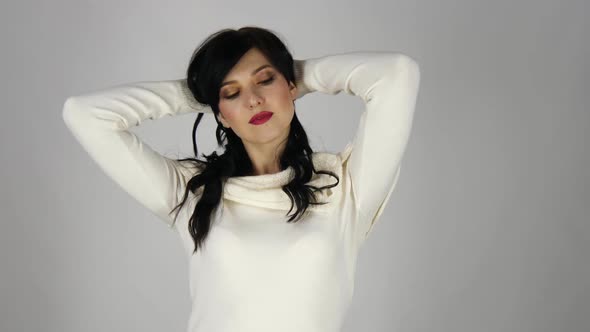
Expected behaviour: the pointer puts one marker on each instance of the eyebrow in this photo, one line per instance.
(253, 72)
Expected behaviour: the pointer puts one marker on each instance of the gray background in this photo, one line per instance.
(487, 230)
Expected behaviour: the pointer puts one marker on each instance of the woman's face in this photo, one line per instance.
(252, 86)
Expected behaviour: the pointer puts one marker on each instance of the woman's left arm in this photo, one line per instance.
(388, 84)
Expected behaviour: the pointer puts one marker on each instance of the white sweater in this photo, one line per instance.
(256, 272)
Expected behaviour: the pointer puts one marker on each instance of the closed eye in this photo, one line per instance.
(265, 82)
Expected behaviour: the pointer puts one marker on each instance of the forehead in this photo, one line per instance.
(249, 64)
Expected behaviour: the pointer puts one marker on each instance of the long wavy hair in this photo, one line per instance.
(210, 63)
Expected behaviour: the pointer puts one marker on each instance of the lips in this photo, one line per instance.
(260, 117)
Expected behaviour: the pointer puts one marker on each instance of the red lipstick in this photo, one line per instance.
(260, 118)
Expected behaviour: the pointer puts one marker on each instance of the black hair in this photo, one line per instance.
(208, 66)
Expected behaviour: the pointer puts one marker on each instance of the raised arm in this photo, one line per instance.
(388, 84)
(101, 120)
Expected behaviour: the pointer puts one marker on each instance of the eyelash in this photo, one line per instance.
(265, 82)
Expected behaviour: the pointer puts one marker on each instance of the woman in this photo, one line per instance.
(251, 267)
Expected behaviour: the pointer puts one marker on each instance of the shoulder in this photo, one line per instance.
(333, 162)
(188, 168)
(324, 159)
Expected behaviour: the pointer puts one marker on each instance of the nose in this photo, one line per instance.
(254, 100)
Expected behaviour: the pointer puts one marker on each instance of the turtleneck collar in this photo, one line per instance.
(266, 191)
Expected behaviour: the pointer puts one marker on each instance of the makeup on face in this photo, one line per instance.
(260, 118)
(270, 78)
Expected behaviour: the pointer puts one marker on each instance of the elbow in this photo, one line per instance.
(69, 107)
(406, 68)
(406, 62)
(71, 111)
(414, 67)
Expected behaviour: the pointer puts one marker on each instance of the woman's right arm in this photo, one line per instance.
(100, 122)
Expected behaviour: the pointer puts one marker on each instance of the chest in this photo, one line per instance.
(259, 246)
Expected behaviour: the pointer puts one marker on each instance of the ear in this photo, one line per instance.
(293, 90)
(223, 120)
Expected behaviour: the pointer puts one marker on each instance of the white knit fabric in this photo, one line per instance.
(256, 272)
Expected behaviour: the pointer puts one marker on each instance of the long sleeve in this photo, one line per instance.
(101, 120)
(388, 84)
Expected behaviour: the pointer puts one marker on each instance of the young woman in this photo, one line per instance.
(254, 267)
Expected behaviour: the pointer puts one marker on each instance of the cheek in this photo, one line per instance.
(282, 92)
(228, 113)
